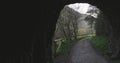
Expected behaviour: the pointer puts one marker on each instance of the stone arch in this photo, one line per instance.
(48, 14)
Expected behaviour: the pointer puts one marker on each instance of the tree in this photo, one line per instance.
(91, 21)
(93, 13)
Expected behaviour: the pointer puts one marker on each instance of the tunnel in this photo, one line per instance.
(29, 38)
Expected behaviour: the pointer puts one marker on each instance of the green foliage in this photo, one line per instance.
(100, 42)
(64, 48)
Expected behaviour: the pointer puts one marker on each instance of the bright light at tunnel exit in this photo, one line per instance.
(80, 7)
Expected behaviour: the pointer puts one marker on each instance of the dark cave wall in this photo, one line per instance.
(111, 10)
(19, 37)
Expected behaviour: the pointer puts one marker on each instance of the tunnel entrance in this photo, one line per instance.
(76, 21)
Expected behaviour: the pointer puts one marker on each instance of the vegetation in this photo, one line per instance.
(67, 29)
(101, 43)
(67, 33)
(63, 46)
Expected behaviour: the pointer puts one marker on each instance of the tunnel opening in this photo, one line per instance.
(18, 37)
(77, 21)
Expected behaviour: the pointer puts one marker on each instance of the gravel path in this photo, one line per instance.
(83, 52)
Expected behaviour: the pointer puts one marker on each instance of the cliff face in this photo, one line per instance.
(77, 13)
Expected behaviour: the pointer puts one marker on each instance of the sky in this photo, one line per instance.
(80, 7)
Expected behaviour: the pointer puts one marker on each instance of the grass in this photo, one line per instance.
(101, 43)
(65, 47)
